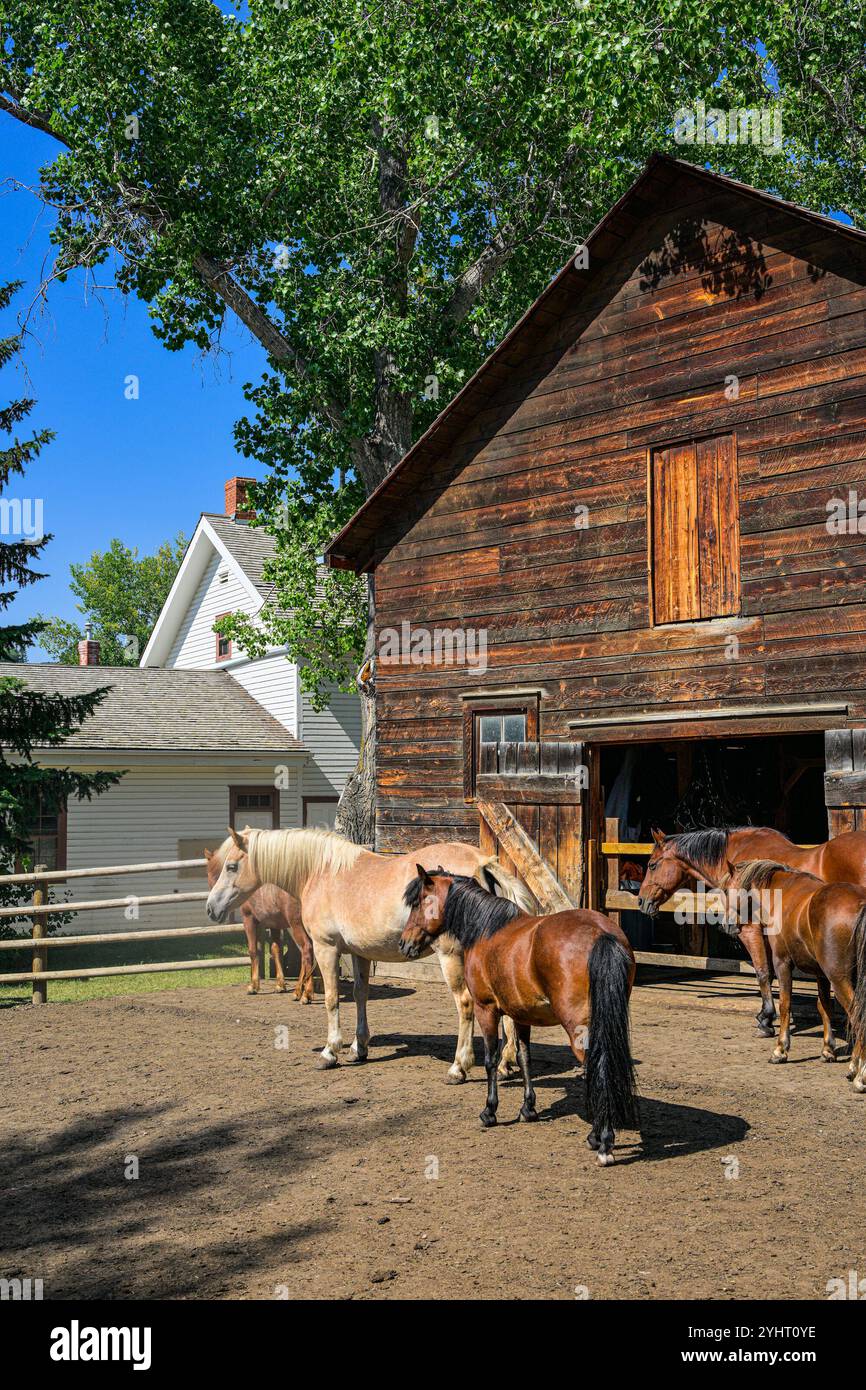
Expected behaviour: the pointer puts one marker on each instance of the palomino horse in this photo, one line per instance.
(574, 968)
(821, 929)
(701, 856)
(352, 901)
(270, 909)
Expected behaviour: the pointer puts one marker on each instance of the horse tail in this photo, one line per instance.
(611, 1088)
(857, 1026)
(507, 885)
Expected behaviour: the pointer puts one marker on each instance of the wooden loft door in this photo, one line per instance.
(695, 535)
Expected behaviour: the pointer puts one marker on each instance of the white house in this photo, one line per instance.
(206, 737)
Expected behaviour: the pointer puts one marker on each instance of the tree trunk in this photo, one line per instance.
(356, 813)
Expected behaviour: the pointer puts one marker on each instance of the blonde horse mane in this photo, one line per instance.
(289, 858)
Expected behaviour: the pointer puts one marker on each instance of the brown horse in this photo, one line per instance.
(273, 910)
(701, 856)
(819, 928)
(572, 968)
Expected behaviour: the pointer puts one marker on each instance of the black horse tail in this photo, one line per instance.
(611, 1089)
(857, 1027)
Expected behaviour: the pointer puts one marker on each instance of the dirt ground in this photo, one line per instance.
(260, 1177)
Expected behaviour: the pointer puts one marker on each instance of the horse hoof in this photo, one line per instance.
(605, 1160)
(528, 1115)
(326, 1063)
(251, 989)
(354, 1059)
(487, 1120)
(828, 1056)
(507, 1071)
(860, 1086)
(306, 999)
(766, 1030)
(779, 1057)
(452, 1079)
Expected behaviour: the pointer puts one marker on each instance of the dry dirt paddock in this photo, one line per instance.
(259, 1175)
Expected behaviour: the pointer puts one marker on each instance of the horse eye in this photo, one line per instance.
(232, 868)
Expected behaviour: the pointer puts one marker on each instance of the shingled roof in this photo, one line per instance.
(249, 546)
(354, 547)
(162, 708)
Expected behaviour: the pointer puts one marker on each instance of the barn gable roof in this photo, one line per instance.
(353, 547)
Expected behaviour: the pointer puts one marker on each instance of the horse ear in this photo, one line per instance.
(424, 876)
(658, 836)
(239, 840)
(208, 853)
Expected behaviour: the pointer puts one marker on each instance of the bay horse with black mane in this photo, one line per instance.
(572, 968)
(702, 856)
(819, 928)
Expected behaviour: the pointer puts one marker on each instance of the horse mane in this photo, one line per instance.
(757, 873)
(710, 846)
(471, 913)
(288, 858)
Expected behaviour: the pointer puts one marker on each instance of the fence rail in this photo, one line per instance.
(38, 909)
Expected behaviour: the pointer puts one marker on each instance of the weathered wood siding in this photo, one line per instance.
(641, 360)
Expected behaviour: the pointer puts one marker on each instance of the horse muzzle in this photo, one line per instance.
(647, 907)
(411, 949)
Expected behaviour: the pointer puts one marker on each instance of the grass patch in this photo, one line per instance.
(127, 953)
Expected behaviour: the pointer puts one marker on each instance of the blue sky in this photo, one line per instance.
(141, 470)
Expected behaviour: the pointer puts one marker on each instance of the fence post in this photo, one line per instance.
(40, 987)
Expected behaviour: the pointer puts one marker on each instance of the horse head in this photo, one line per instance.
(232, 881)
(425, 897)
(665, 873)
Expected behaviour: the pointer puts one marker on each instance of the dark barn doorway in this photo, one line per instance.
(688, 784)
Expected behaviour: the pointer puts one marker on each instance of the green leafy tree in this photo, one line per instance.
(121, 596)
(379, 192)
(29, 718)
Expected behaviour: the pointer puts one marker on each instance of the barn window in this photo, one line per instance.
(694, 534)
(223, 644)
(509, 722)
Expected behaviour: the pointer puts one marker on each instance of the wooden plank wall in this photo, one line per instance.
(490, 540)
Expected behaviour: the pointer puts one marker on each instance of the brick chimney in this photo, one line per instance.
(88, 649)
(236, 499)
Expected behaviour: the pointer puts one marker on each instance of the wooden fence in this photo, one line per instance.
(39, 909)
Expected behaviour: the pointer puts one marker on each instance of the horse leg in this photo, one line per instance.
(452, 969)
(277, 958)
(844, 992)
(304, 987)
(755, 943)
(328, 958)
(825, 1009)
(251, 930)
(527, 1109)
(508, 1065)
(358, 1051)
(488, 1021)
(784, 971)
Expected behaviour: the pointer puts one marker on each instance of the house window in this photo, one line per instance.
(223, 644)
(48, 838)
(257, 807)
(694, 531)
(509, 722)
(320, 811)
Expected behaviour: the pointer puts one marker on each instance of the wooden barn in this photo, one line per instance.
(640, 528)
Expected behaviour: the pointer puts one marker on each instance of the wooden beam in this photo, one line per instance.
(523, 852)
(527, 789)
(106, 871)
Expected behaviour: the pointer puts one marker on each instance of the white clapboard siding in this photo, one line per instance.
(272, 681)
(334, 738)
(195, 643)
(142, 820)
